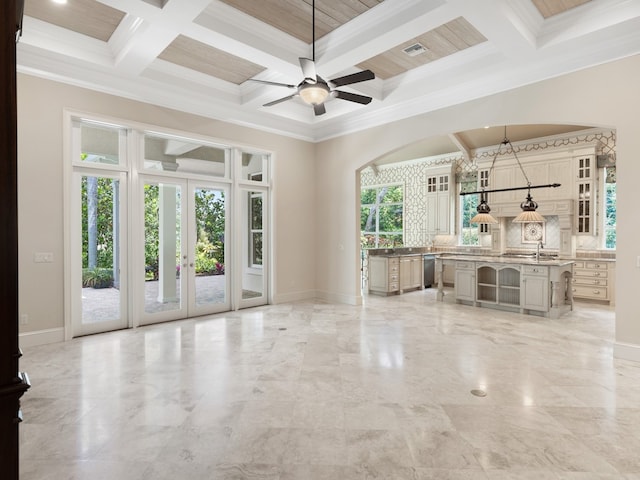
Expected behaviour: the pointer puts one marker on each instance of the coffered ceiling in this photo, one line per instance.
(199, 55)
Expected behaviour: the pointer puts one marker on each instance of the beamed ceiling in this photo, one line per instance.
(198, 56)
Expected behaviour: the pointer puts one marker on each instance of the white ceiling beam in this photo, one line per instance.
(587, 19)
(139, 40)
(506, 27)
(459, 143)
(377, 30)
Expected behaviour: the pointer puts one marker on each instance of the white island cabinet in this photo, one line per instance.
(535, 285)
(465, 281)
(522, 285)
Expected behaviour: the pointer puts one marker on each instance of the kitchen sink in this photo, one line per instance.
(543, 257)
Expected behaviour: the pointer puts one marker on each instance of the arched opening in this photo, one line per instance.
(406, 207)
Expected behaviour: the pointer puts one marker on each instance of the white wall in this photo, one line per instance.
(40, 184)
(606, 96)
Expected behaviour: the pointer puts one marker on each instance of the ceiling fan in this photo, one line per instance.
(313, 89)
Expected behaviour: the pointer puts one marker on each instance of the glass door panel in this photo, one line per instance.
(208, 279)
(164, 259)
(99, 258)
(253, 264)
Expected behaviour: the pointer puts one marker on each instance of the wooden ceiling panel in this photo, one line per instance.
(87, 17)
(205, 59)
(294, 16)
(440, 42)
(549, 8)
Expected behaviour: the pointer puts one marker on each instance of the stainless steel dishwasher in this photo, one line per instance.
(429, 269)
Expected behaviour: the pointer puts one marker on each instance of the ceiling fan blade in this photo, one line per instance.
(353, 78)
(308, 69)
(275, 84)
(280, 100)
(319, 109)
(352, 97)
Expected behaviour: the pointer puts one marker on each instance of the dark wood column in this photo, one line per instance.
(12, 383)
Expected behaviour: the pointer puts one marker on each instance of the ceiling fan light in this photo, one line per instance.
(314, 94)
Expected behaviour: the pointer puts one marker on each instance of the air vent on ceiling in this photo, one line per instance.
(415, 49)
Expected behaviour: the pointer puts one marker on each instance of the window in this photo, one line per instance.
(610, 207)
(175, 154)
(468, 206)
(381, 219)
(483, 184)
(255, 229)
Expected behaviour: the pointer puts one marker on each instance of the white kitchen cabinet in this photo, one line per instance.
(411, 272)
(384, 274)
(591, 280)
(439, 201)
(543, 170)
(560, 171)
(586, 204)
(535, 288)
(502, 177)
(465, 281)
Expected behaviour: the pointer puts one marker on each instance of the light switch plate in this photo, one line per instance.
(43, 257)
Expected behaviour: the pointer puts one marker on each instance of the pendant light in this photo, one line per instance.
(528, 207)
(483, 209)
(529, 213)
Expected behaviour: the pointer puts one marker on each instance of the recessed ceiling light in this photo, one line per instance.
(61, 2)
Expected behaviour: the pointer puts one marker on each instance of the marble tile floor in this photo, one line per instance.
(312, 390)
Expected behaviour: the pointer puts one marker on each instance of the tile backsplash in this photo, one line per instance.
(551, 234)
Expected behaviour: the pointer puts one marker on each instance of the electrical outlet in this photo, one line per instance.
(24, 319)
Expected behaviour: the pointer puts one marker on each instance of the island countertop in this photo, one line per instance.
(513, 260)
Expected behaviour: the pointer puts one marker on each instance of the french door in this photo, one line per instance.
(183, 262)
(160, 227)
(99, 262)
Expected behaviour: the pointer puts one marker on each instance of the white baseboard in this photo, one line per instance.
(41, 337)
(294, 296)
(626, 351)
(333, 297)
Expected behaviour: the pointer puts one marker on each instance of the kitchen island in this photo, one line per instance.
(521, 284)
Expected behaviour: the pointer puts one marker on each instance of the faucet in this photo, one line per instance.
(539, 246)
